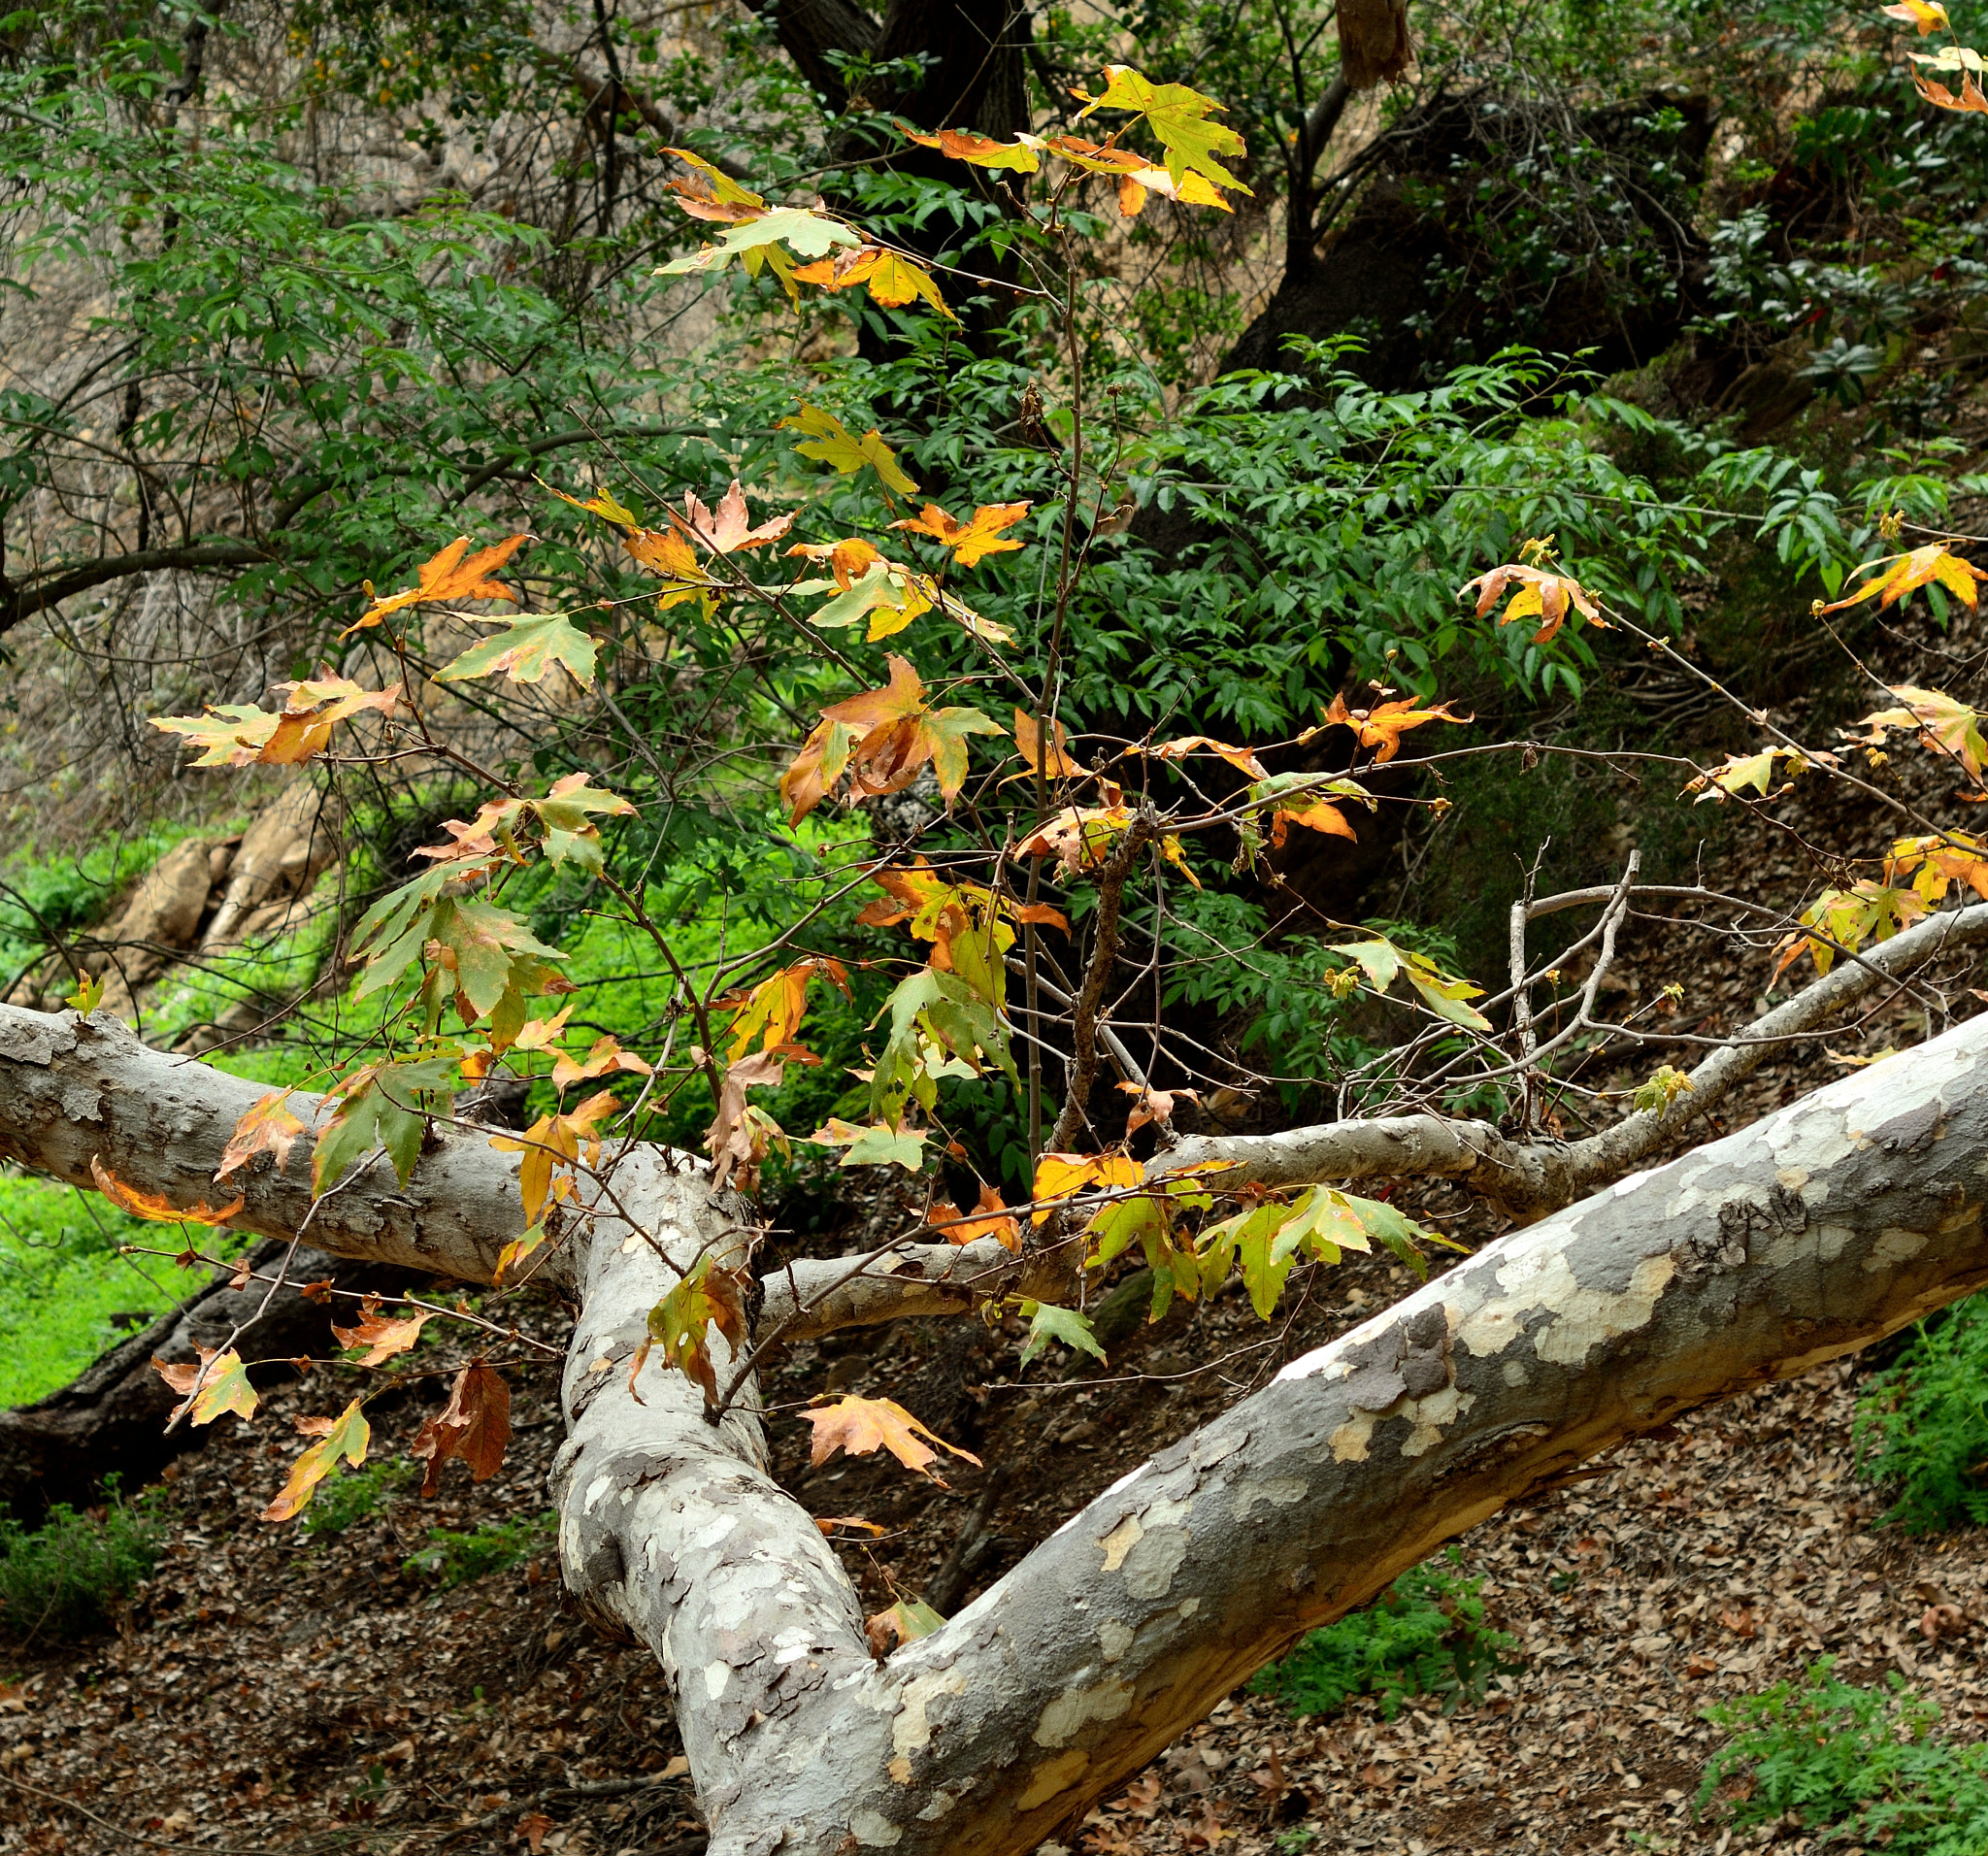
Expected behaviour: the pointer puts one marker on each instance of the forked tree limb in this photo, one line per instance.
(1807, 1234)
(1531, 1177)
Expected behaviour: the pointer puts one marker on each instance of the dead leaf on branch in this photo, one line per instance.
(990, 1219)
(861, 1426)
(1382, 726)
(1933, 565)
(265, 1127)
(382, 1336)
(729, 530)
(448, 576)
(243, 735)
(880, 740)
(214, 1383)
(475, 1425)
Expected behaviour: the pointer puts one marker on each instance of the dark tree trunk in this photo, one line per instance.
(112, 1420)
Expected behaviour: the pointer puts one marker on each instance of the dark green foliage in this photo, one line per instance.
(1860, 1764)
(455, 1559)
(341, 1500)
(1922, 1424)
(64, 1579)
(1425, 1634)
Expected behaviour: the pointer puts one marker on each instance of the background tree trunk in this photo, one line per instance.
(112, 1419)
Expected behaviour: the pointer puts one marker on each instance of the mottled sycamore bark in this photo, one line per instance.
(1807, 1234)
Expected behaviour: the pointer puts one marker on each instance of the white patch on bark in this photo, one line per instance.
(1114, 1638)
(1539, 1279)
(1894, 1246)
(718, 1678)
(1280, 1491)
(1066, 1717)
(872, 1829)
(1151, 1565)
(910, 1730)
(1349, 1441)
(1428, 1416)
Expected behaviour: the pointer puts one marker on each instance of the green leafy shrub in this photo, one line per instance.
(455, 1559)
(343, 1500)
(62, 1578)
(1425, 1634)
(1922, 1424)
(1861, 1763)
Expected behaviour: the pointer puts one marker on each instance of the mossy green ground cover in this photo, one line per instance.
(62, 1277)
(62, 1281)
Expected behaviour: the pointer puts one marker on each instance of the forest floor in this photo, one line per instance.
(273, 1689)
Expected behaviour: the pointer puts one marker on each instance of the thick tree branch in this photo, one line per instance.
(1823, 1227)
(1533, 1177)
(37, 595)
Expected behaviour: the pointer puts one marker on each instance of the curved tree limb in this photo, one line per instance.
(1531, 1177)
(1819, 1229)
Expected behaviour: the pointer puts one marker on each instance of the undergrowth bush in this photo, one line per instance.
(1922, 1423)
(343, 1499)
(64, 1579)
(1859, 1763)
(455, 1559)
(1425, 1634)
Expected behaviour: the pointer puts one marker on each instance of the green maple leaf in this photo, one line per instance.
(831, 441)
(883, 1146)
(1179, 118)
(526, 650)
(948, 729)
(808, 234)
(1047, 1322)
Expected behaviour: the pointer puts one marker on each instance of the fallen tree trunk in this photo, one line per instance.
(111, 1420)
(1808, 1235)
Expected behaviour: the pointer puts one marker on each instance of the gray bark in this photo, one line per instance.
(1807, 1236)
(1531, 1177)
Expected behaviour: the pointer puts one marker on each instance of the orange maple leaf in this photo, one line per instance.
(1383, 728)
(266, 1127)
(1243, 759)
(861, 1426)
(152, 1206)
(974, 540)
(990, 1220)
(1906, 574)
(1054, 755)
(447, 577)
(882, 739)
(893, 280)
(1548, 597)
(382, 1336)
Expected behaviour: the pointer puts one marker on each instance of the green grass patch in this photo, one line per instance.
(342, 1501)
(62, 1281)
(1861, 1764)
(65, 1577)
(1922, 1423)
(1425, 1634)
(455, 1559)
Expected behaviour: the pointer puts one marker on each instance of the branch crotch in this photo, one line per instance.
(672, 1530)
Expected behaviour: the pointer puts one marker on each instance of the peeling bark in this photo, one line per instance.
(1808, 1235)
